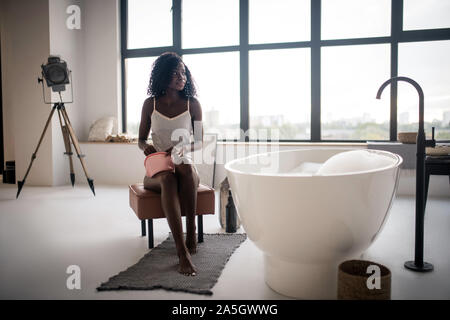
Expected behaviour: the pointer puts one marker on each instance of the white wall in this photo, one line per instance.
(93, 55)
(25, 46)
(7, 113)
(30, 31)
(69, 44)
(102, 63)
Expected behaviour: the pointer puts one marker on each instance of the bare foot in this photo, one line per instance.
(191, 243)
(186, 266)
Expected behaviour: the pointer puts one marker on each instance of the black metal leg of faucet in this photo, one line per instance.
(418, 264)
(427, 183)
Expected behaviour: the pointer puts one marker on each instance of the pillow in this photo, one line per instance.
(354, 161)
(101, 129)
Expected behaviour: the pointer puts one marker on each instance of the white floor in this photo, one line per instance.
(50, 228)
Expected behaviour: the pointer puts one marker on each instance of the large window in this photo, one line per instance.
(209, 23)
(149, 24)
(279, 93)
(428, 63)
(429, 14)
(217, 79)
(351, 76)
(343, 19)
(279, 21)
(138, 74)
(309, 69)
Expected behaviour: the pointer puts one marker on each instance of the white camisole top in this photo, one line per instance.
(168, 132)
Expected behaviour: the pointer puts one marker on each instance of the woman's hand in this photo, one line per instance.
(149, 150)
(178, 150)
(177, 153)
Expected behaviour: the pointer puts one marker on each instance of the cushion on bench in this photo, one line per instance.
(147, 204)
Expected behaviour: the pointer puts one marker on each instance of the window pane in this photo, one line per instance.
(280, 93)
(430, 14)
(210, 23)
(137, 77)
(217, 78)
(351, 76)
(355, 18)
(427, 63)
(279, 21)
(149, 23)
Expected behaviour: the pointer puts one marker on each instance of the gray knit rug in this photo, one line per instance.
(158, 268)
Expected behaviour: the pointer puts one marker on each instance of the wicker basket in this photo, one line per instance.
(407, 137)
(352, 281)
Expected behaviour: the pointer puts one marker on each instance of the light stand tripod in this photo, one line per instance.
(68, 135)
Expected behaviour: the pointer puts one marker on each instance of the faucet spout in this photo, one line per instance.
(419, 91)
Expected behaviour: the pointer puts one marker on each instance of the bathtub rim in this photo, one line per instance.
(396, 164)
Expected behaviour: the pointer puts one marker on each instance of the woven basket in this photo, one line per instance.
(352, 281)
(407, 137)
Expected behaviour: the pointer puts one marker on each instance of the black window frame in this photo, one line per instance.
(398, 35)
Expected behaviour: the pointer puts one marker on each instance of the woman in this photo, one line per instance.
(172, 106)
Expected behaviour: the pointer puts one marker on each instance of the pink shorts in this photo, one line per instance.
(157, 162)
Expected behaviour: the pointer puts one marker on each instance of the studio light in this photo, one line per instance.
(56, 76)
(56, 73)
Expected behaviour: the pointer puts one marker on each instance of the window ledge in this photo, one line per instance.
(308, 144)
(318, 144)
(106, 142)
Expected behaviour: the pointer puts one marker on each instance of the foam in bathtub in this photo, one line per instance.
(354, 161)
(306, 168)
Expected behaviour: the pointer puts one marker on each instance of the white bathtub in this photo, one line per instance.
(306, 225)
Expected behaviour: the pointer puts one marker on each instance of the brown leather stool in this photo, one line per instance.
(147, 206)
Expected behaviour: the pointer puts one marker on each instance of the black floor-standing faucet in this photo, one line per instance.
(418, 264)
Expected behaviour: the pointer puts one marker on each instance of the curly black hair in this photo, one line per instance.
(161, 75)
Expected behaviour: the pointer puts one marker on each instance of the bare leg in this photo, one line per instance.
(188, 182)
(171, 206)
